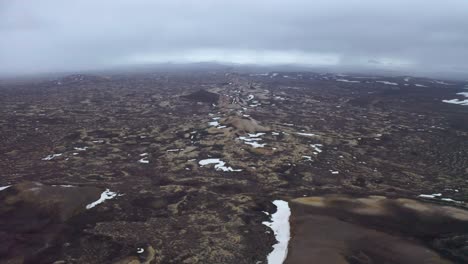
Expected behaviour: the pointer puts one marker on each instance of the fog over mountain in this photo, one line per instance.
(428, 37)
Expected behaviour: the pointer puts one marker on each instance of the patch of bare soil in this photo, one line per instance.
(375, 229)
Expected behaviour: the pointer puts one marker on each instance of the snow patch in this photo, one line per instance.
(174, 150)
(4, 187)
(253, 139)
(305, 134)
(144, 160)
(348, 81)
(213, 123)
(441, 82)
(388, 83)
(80, 149)
(317, 148)
(106, 195)
(256, 135)
(52, 156)
(456, 101)
(439, 196)
(281, 228)
(219, 164)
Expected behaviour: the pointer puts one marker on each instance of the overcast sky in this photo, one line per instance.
(58, 35)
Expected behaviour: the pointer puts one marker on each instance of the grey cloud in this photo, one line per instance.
(56, 35)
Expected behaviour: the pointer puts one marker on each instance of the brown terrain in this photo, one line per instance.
(350, 154)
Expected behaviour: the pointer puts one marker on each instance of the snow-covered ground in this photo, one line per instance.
(219, 164)
(215, 123)
(52, 156)
(317, 148)
(253, 140)
(458, 101)
(388, 83)
(348, 81)
(439, 196)
(144, 159)
(106, 195)
(305, 134)
(4, 187)
(80, 149)
(281, 228)
(441, 82)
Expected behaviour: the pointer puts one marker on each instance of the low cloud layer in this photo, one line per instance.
(55, 35)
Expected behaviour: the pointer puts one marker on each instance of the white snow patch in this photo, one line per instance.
(388, 83)
(420, 85)
(451, 200)
(317, 148)
(427, 196)
(80, 149)
(250, 97)
(335, 172)
(456, 101)
(213, 123)
(463, 93)
(144, 160)
(305, 134)
(255, 144)
(438, 196)
(348, 81)
(253, 139)
(281, 228)
(52, 156)
(441, 82)
(106, 195)
(249, 139)
(219, 164)
(4, 187)
(174, 150)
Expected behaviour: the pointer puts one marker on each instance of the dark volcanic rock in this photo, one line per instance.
(203, 96)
